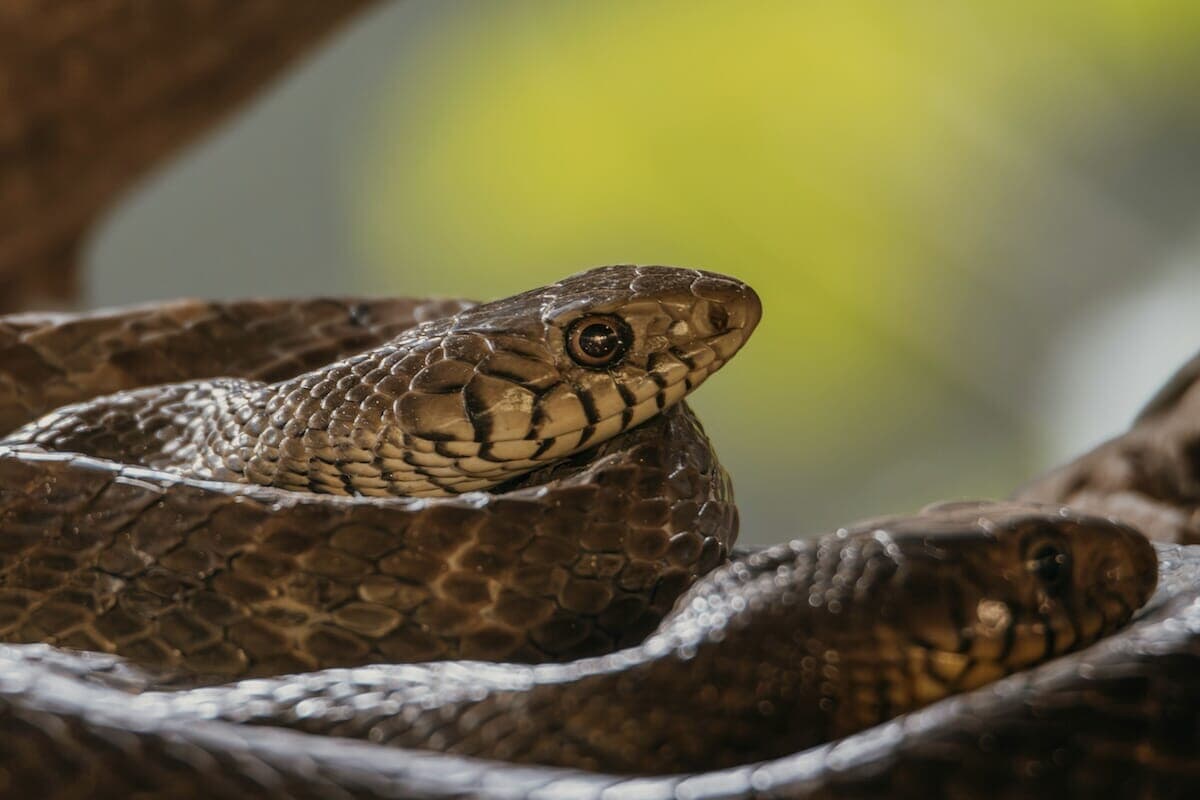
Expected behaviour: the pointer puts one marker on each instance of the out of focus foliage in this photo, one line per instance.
(948, 208)
(856, 162)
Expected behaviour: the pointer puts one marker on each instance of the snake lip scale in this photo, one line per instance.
(289, 530)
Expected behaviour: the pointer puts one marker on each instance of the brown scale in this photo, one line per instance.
(789, 648)
(1116, 720)
(411, 417)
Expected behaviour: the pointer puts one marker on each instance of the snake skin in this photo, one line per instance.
(211, 580)
(1121, 715)
(461, 403)
(1116, 720)
(796, 645)
(219, 580)
(49, 360)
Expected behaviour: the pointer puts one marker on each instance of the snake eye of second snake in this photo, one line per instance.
(598, 341)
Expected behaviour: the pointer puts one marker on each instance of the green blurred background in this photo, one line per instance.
(975, 227)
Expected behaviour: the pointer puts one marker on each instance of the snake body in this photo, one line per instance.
(1149, 475)
(226, 578)
(791, 647)
(164, 527)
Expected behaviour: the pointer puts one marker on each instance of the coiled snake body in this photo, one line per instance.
(518, 481)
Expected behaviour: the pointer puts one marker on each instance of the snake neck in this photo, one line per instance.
(172, 427)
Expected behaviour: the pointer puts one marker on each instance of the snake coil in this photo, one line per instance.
(313, 487)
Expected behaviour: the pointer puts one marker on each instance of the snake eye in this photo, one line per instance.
(598, 341)
(1050, 564)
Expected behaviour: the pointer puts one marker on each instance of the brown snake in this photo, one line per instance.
(165, 526)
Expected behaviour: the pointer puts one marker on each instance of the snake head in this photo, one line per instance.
(460, 403)
(986, 589)
(507, 386)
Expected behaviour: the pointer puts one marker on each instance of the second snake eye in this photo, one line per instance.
(599, 340)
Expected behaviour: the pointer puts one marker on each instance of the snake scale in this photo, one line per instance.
(327, 492)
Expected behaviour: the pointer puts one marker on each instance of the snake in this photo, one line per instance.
(276, 548)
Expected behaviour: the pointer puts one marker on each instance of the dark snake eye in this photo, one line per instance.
(598, 341)
(1050, 564)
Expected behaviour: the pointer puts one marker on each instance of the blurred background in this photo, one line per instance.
(975, 227)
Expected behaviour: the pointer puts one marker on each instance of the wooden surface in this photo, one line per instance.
(94, 93)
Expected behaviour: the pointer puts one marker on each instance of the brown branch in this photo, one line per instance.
(93, 93)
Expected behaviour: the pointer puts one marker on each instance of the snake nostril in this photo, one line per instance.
(718, 318)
